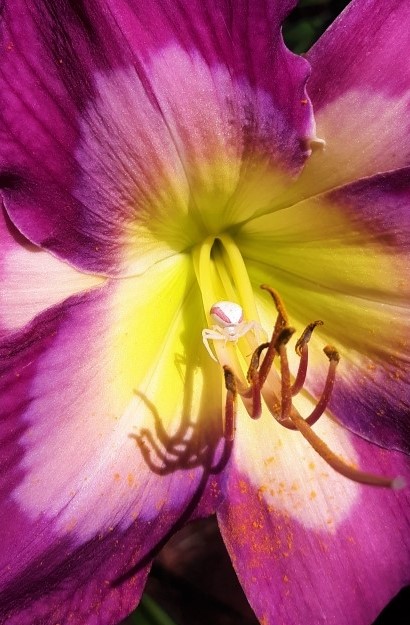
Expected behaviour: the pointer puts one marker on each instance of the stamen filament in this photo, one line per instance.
(252, 376)
(321, 406)
(202, 266)
(281, 322)
(302, 350)
(302, 370)
(286, 394)
(267, 362)
(339, 465)
(230, 404)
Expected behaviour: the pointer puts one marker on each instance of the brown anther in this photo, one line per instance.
(230, 404)
(282, 318)
(284, 337)
(254, 364)
(279, 337)
(306, 336)
(332, 353)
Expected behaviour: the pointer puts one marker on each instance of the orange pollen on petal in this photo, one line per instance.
(282, 407)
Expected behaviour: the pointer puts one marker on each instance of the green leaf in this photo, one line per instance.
(149, 613)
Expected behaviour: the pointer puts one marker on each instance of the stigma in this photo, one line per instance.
(230, 326)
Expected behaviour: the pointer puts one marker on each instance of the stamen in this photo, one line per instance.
(321, 406)
(286, 394)
(339, 465)
(267, 362)
(302, 370)
(301, 348)
(282, 319)
(230, 404)
(280, 323)
(253, 378)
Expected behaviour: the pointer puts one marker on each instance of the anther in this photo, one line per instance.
(284, 337)
(281, 335)
(282, 318)
(332, 353)
(304, 339)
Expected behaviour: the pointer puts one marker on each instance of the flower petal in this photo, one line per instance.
(309, 545)
(360, 93)
(31, 279)
(83, 486)
(342, 257)
(126, 116)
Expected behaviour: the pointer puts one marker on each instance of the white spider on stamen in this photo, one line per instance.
(230, 325)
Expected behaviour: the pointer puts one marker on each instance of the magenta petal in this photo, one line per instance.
(80, 506)
(310, 550)
(364, 49)
(70, 584)
(372, 394)
(360, 94)
(372, 391)
(50, 53)
(31, 279)
(92, 127)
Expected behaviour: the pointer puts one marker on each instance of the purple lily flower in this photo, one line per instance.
(158, 158)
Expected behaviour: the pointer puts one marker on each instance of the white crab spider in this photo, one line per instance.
(230, 325)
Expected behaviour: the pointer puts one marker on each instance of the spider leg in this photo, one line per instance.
(214, 335)
(250, 326)
(244, 328)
